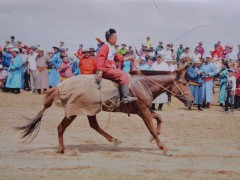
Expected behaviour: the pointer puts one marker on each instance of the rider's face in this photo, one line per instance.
(113, 39)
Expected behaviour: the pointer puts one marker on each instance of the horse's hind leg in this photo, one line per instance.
(159, 121)
(94, 124)
(61, 128)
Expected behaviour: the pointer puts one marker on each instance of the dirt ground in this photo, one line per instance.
(205, 145)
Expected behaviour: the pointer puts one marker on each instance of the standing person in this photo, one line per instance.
(148, 57)
(13, 42)
(54, 76)
(230, 88)
(127, 65)
(41, 71)
(231, 56)
(65, 69)
(209, 71)
(201, 49)
(237, 93)
(7, 56)
(167, 54)
(80, 51)
(196, 55)
(106, 66)
(32, 67)
(195, 74)
(148, 42)
(180, 50)
(219, 47)
(123, 50)
(142, 65)
(172, 68)
(223, 75)
(14, 80)
(87, 63)
(159, 65)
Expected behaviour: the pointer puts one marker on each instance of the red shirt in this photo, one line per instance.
(87, 65)
(103, 63)
(217, 52)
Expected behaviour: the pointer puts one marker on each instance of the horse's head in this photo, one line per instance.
(180, 87)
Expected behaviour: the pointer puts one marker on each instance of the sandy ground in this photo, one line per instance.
(205, 145)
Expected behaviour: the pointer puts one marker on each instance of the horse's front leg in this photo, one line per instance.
(146, 115)
(159, 122)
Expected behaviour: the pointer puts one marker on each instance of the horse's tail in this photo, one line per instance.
(31, 129)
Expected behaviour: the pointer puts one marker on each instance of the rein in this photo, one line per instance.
(182, 93)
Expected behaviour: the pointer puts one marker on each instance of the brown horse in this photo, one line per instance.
(146, 86)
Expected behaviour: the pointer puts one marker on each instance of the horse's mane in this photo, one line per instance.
(151, 73)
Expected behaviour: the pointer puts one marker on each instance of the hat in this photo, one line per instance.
(15, 50)
(123, 44)
(130, 46)
(10, 46)
(215, 45)
(180, 44)
(168, 60)
(142, 58)
(168, 44)
(62, 49)
(160, 42)
(32, 47)
(92, 50)
(159, 55)
(40, 49)
(208, 56)
(56, 47)
(232, 70)
(148, 49)
(1, 66)
(62, 42)
(144, 45)
(197, 61)
(19, 41)
(12, 37)
(200, 42)
(148, 37)
(116, 45)
(7, 41)
(86, 50)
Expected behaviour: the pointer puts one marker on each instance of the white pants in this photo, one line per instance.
(32, 79)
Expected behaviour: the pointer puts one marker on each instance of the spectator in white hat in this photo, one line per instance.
(32, 66)
(14, 80)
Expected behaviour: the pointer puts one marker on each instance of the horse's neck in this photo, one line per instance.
(160, 84)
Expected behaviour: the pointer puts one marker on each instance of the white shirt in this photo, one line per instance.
(233, 79)
(159, 67)
(32, 61)
(231, 56)
(111, 53)
(196, 57)
(183, 55)
(167, 54)
(172, 67)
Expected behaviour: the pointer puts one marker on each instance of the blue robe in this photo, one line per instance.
(211, 69)
(127, 66)
(197, 91)
(223, 74)
(14, 79)
(145, 66)
(6, 59)
(54, 76)
(76, 69)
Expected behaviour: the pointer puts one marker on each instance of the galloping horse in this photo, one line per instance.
(146, 86)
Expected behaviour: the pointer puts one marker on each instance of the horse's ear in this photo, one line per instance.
(182, 71)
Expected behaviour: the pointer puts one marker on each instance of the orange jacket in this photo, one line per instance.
(88, 65)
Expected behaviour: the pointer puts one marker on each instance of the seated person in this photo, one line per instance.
(65, 69)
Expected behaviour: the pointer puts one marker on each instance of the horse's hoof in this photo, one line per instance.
(60, 151)
(116, 142)
(167, 153)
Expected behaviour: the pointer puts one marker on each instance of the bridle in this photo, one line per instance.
(179, 95)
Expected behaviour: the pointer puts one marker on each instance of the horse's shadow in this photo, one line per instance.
(88, 148)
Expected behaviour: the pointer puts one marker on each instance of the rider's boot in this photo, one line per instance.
(127, 97)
